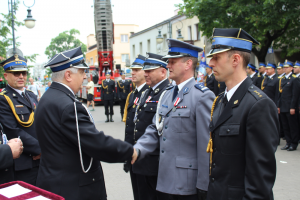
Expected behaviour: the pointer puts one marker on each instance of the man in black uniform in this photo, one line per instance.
(138, 182)
(210, 80)
(155, 68)
(281, 74)
(17, 107)
(270, 82)
(72, 147)
(108, 95)
(123, 90)
(280, 71)
(288, 106)
(242, 145)
(261, 75)
(252, 72)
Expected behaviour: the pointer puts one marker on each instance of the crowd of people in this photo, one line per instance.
(183, 141)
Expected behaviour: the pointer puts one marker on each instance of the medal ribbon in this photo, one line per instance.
(148, 99)
(177, 101)
(136, 100)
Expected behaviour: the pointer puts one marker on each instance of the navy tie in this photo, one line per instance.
(175, 92)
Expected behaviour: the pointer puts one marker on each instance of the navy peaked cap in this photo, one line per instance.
(154, 61)
(179, 49)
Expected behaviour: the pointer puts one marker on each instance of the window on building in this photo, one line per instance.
(124, 38)
(165, 46)
(148, 46)
(189, 31)
(125, 57)
(196, 33)
(141, 48)
(133, 51)
(92, 61)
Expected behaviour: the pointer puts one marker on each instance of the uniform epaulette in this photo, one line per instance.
(29, 91)
(201, 88)
(3, 92)
(170, 87)
(256, 92)
(294, 76)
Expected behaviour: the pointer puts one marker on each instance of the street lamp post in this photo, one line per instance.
(29, 18)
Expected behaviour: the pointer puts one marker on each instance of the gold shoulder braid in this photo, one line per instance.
(125, 108)
(104, 87)
(262, 84)
(120, 85)
(280, 89)
(210, 143)
(24, 124)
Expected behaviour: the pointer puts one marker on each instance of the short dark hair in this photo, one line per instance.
(245, 55)
(194, 61)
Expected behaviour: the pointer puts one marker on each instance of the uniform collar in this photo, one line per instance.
(281, 75)
(181, 85)
(66, 87)
(210, 75)
(18, 91)
(231, 92)
(272, 75)
(140, 87)
(298, 74)
(155, 86)
(287, 76)
(251, 75)
(264, 73)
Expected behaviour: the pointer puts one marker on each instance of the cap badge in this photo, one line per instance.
(17, 57)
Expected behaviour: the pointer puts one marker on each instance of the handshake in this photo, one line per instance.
(135, 156)
(16, 147)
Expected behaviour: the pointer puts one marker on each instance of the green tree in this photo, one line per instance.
(64, 41)
(268, 21)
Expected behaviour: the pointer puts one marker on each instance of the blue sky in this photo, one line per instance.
(55, 16)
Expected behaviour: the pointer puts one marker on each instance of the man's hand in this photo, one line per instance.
(292, 111)
(278, 110)
(16, 147)
(36, 157)
(134, 156)
(126, 166)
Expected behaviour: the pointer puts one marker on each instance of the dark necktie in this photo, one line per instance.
(175, 92)
(224, 102)
(25, 97)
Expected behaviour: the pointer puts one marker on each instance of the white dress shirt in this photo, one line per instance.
(251, 76)
(18, 91)
(287, 76)
(181, 85)
(140, 87)
(231, 92)
(155, 86)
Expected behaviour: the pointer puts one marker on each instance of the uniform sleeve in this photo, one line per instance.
(10, 125)
(149, 141)
(93, 143)
(295, 96)
(261, 143)
(203, 110)
(118, 90)
(6, 158)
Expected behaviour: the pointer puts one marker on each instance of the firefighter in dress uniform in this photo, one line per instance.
(138, 182)
(242, 146)
(123, 89)
(252, 72)
(270, 82)
(108, 95)
(17, 108)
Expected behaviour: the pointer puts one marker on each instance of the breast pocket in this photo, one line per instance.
(23, 113)
(230, 139)
(180, 120)
(150, 111)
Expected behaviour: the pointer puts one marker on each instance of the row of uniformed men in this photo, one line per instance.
(169, 128)
(171, 155)
(283, 88)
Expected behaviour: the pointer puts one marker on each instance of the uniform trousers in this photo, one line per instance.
(27, 175)
(109, 103)
(139, 186)
(184, 197)
(290, 128)
(122, 105)
(281, 133)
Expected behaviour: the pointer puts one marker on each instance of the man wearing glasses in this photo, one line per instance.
(17, 107)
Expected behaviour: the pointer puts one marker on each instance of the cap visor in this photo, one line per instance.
(136, 67)
(17, 70)
(150, 67)
(216, 51)
(172, 56)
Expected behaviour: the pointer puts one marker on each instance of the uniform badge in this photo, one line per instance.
(174, 109)
(159, 119)
(133, 106)
(157, 90)
(236, 101)
(19, 106)
(14, 94)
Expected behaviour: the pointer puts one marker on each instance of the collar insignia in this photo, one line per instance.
(157, 90)
(236, 101)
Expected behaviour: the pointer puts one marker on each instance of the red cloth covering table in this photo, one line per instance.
(35, 191)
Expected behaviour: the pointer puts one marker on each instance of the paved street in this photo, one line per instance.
(118, 183)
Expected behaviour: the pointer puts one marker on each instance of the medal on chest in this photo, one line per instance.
(175, 104)
(135, 102)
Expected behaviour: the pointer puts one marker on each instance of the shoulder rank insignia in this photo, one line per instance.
(201, 88)
(168, 88)
(185, 90)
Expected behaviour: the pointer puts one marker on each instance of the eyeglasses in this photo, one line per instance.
(17, 74)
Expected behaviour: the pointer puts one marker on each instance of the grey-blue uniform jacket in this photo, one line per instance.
(183, 163)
